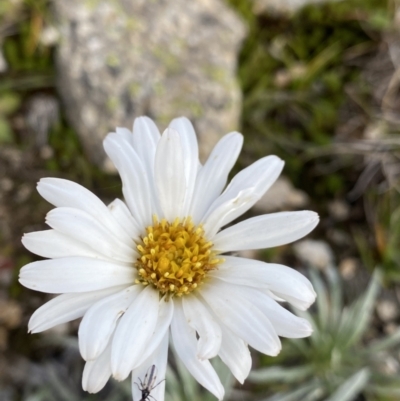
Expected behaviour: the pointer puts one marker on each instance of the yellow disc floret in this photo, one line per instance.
(175, 257)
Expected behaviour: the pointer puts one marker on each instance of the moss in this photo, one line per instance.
(113, 103)
(168, 60)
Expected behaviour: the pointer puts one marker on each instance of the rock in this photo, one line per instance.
(315, 253)
(339, 237)
(6, 184)
(49, 36)
(283, 7)
(46, 152)
(157, 58)
(10, 318)
(388, 364)
(42, 114)
(387, 310)
(390, 328)
(10, 314)
(61, 330)
(23, 192)
(348, 268)
(339, 209)
(249, 254)
(281, 196)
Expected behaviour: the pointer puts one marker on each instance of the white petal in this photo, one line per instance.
(295, 299)
(135, 179)
(123, 216)
(134, 332)
(97, 372)
(159, 359)
(65, 193)
(53, 244)
(66, 307)
(235, 353)
(273, 296)
(100, 320)
(280, 279)
(199, 318)
(190, 151)
(285, 323)
(212, 178)
(170, 175)
(74, 274)
(126, 134)
(145, 139)
(84, 228)
(223, 213)
(184, 339)
(165, 315)
(266, 231)
(242, 317)
(254, 181)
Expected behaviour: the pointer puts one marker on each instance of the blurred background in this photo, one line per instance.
(315, 82)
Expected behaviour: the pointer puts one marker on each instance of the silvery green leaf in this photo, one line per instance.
(300, 344)
(281, 374)
(313, 320)
(355, 319)
(189, 385)
(63, 391)
(314, 395)
(391, 390)
(387, 343)
(336, 295)
(173, 389)
(322, 299)
(299, 394)
(40, 395)
(351, 387)
(225, 375)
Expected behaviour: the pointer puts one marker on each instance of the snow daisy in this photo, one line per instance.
(157, 268)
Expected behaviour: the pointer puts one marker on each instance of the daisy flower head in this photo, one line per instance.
(157, 268)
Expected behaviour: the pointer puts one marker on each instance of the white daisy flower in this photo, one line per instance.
(155, 268)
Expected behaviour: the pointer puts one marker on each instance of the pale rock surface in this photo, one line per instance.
(387, 310)
(10, 313)
(42, 113)
(281, 196)
(339, 209)
(249, 254)
(284, 7)
(121, 59)
(348, 268)
(315, 253)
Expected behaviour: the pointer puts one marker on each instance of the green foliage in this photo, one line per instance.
(9, 103)
(29, 63)
(380, 245)
(23, 50)
(334, 363)
(294, 74)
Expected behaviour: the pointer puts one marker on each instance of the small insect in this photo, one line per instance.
(147, 385)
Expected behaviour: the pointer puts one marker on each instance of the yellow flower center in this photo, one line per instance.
(175, 257)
